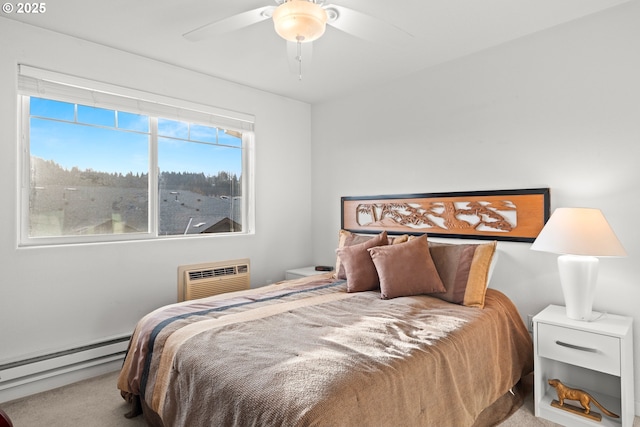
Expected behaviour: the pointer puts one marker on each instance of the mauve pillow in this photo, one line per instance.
(464, 270)
(347, 238)
(360, 272)
(406, 269)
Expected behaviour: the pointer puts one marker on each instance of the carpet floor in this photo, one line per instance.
(97, 403)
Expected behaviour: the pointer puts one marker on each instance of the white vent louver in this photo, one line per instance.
(204, 280)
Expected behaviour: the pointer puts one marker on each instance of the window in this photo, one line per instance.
(99, 165)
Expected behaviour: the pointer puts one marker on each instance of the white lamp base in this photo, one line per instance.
(578, 276)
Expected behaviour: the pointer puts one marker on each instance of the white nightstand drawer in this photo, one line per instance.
(580, 348)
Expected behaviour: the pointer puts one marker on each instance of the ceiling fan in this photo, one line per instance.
(302, 21)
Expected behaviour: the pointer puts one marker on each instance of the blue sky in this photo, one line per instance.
(126, 148)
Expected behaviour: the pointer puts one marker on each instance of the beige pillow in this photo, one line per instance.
(360, 272)
(406, 269)
(347, 238)
(464, 270)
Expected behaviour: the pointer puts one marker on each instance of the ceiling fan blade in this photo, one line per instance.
(299, 57)
(229, 24)
(367, 27)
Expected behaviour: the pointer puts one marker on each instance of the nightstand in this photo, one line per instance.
(595, 356)
(297, 273)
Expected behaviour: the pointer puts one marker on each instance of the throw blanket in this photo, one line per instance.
(306, 352)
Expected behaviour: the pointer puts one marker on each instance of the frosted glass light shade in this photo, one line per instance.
(579, 235)
(299, 20)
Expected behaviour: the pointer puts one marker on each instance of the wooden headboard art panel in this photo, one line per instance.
(509, 215)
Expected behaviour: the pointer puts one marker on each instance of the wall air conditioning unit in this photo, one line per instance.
(204, 280)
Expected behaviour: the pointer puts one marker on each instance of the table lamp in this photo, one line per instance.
(579, 235)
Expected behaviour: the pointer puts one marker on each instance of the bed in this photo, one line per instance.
(314, 351)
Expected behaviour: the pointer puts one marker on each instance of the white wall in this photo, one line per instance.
(558, 109)
(55, 297)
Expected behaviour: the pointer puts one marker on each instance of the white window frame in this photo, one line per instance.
(41, 83)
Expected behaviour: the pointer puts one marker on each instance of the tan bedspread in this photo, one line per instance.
(306, 352)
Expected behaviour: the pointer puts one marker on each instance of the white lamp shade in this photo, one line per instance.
(299, 20)
(578, 231)
(579, 235)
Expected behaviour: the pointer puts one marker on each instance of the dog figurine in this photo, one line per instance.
(581, 396)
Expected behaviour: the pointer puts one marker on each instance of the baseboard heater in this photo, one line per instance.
(30, 369)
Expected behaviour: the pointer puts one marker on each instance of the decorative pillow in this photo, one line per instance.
(395, 240)
(406, 269)
(347, 238)
(464, 270)
(359, 268)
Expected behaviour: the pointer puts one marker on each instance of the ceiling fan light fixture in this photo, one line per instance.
(300, 20)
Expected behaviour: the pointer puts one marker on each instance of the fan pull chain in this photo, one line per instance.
(299, 56)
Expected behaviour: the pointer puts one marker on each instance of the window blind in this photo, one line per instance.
(62, 87)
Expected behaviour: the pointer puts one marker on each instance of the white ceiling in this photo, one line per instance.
(255, 56)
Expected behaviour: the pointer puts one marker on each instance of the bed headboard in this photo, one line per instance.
(510, 215)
